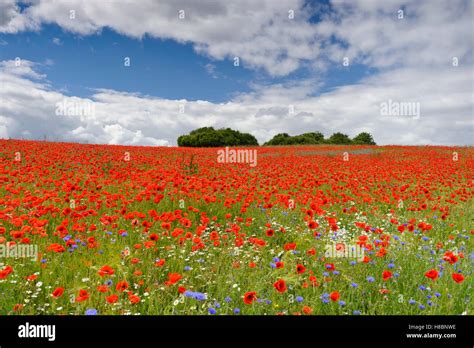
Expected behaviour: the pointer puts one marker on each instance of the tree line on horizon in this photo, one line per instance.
(210, 137)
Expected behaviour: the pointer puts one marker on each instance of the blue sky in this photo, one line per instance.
(182, 74)
(158, 67)
(163, 68)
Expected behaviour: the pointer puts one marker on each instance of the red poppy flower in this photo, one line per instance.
(458, 277)
(31, 277)
(432, 274)
(58, 292)
(57, 248)
(83, 295)
(300, 269)
(450, 257)
(387, 275)
(122, 286)
(106, 270)
(249, 297)
(334, 296)
(173, 278)
(112, 298)
(134, 299)
(280, 285)
(102, 288)
(5, 272)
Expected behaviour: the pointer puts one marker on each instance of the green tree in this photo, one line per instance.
(364, 138)
(210, 137)
(302, 139)
(339, 139)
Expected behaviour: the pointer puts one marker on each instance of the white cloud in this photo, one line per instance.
(28, 109)
(57, 41)
(262, 35)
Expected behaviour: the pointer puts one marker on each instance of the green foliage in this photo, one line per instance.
(364, 138)
(302, 139)
(339, 139)
(210, 137)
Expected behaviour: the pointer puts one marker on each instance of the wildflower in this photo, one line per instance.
(432, 274)
(334, 296)
(280, 285)
(58, 292)
(457, 277)
(249, 297)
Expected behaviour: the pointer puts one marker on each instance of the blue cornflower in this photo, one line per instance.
(212, 311)
(236, 310)
(342, 303)
(437, 294)
(354, 285)
(91, 311)
(370, 279)
(187, 268)
(299, 299)
(188, 293)
(356, 312)
(421, 306)
(335, 272)
(200, 296)
(391, 265)
(411, 301)
(227, 299)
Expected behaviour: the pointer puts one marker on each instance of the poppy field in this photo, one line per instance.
(161, 230)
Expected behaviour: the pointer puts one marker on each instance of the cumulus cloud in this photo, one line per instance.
(29, 109)
(277, 36)
(259, 33)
